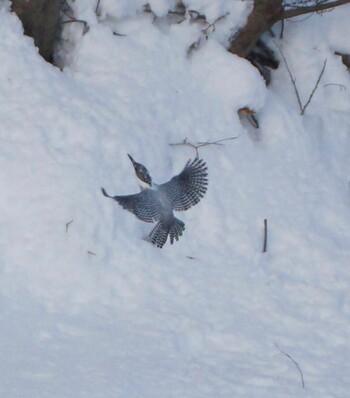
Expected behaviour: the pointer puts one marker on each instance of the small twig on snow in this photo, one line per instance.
(341, 86)
(201, 143)
(265, 236)
(282, 29)
(119, 34)
(295, 363)
(315, 88)
(97, 7)
(293, 80)
(72, 19)
(90, 253)
(68, 224)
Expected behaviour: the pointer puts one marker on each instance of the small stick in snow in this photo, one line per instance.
(201, 143)
(265, 236)
(90, 253)
(282, 29)
(68, 224)
(293, 80)
(97, 7)
(341, 86)
(315, 88)
(72, 19)
(295, 363)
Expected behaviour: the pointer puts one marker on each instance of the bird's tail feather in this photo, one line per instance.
(176, 230)
(160, 232)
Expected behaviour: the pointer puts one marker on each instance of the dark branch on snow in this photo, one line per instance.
(265, 236)
(294, 361)
(200, 144)
(293, 80)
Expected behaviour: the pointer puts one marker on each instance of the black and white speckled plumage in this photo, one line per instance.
(157, 203)
(186, 189)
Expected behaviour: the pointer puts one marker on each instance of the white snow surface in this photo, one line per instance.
(89, 308)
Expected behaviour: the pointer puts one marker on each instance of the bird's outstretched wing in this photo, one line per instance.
(186, 189)
(141, 204)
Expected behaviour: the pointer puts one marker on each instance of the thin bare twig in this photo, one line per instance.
(294, 361)
(119, 34)
(315, 8)
(97, 7)
(90, 253)
(282, 29)
(72, 19)
(265, 236)
(201, 143)
(77, 20)
(68, 224)
(293, 80)
(315, 88)
(341, 86)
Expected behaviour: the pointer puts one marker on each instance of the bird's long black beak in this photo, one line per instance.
(132, 160)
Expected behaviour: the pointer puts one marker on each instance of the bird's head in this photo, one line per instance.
(142, 174)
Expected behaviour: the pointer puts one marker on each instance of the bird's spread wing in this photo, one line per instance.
(186, 189)
(142, 204)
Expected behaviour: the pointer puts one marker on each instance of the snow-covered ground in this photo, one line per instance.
(90, 309)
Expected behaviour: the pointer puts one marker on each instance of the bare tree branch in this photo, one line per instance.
(315, 8)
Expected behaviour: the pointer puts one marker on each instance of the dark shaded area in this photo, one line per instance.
(40, 19)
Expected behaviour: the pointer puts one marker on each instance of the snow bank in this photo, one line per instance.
(90, 308)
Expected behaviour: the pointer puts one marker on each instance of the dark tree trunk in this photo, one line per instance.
(265, 14)
(40, 20)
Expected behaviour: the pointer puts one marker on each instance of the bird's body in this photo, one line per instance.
(156, 203)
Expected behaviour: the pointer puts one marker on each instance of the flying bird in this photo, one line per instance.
(156, 203)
